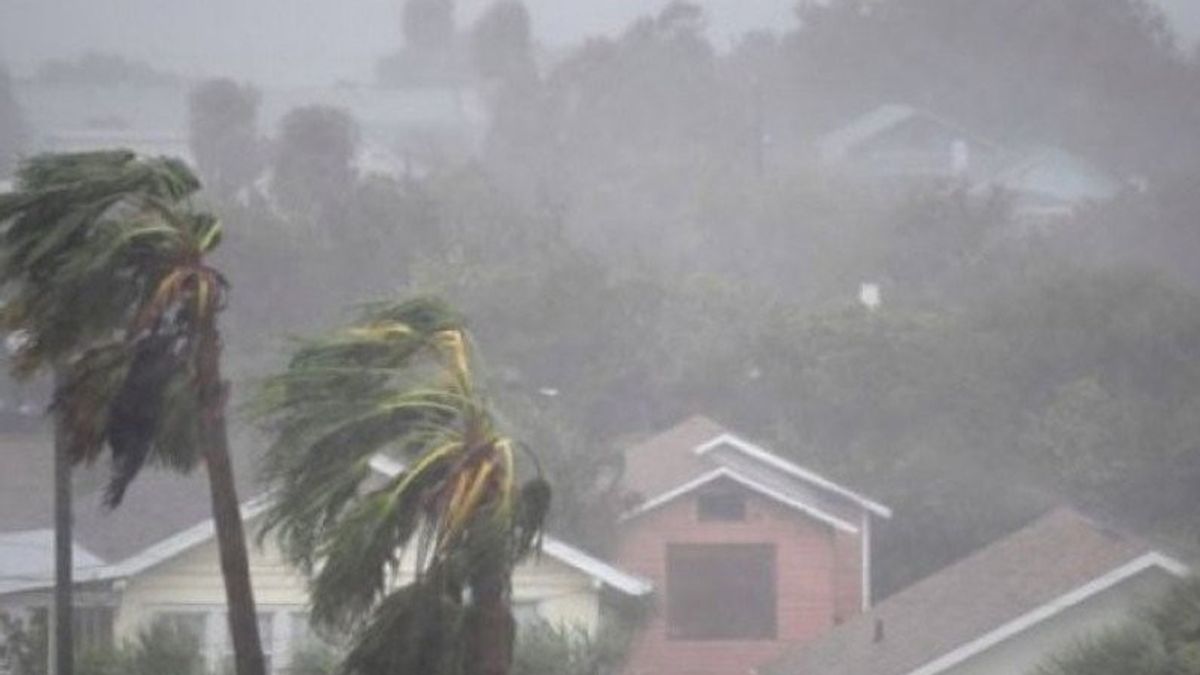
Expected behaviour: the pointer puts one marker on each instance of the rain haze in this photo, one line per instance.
(599, 337)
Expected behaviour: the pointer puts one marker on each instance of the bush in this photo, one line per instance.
(547, 649)
(160, 649)
(23, 644)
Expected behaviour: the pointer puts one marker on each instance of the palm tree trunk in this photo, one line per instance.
(227, 517)
(63, 652)
(493, 627)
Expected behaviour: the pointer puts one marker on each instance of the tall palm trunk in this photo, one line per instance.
(492, 624)
(231, 536)
(63, 651)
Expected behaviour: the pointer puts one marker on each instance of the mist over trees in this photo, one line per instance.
(430, 55)
(501, 42)
(223, 134)
(643, 227)
(645, 235)
(14, 129)
(103, 68)
(312, 173)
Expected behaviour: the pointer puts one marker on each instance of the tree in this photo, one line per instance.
(401, 378)
(313, 175)
(23, 644)
(501, 42)
(1076, 73)
(1161, 640)
(13, 129)
(223, 133)
(430, 55)
(428, 25)
(108, 285)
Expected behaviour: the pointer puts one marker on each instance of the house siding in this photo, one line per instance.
(818, 581)
(192, 581)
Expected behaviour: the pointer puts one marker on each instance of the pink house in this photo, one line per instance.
(749, 552)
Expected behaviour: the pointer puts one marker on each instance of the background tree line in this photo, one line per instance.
(647, 202)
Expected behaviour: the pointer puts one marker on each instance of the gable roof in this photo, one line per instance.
(1053, 173)
(157, 506)
(27, 557)
(142, 534)
(1017, 582)
(598, 570)
(698, 452)
(840, 142)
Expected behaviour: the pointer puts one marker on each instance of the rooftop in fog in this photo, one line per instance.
(1059, 560)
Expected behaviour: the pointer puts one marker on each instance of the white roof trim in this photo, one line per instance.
(572, 557)
(1052, 608)
(595, 568)
(725, 472)
(157, 553)
(175, 544)
(770, 458)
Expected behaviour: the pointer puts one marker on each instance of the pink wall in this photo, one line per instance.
(819, 582)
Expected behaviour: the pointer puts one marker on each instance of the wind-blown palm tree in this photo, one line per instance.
(106, 283)
(400, 381)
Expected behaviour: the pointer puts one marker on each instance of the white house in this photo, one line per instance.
(156, 558)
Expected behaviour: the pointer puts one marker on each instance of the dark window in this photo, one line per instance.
(93, 627)
(721, 592)
(721, 506)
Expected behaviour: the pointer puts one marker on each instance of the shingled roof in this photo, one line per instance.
(698, 451)
(158, 506)
(1007, 583)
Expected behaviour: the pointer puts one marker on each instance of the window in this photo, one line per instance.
(191, 624)
(209, 627)
(721, 592)
(721, 506)
(93, 627)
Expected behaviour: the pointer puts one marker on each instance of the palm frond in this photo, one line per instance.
(101, 265)
(397, 380)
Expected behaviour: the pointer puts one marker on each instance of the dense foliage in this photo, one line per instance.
(14, 128)
(647, 202)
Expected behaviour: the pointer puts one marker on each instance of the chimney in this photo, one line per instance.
(878, 631)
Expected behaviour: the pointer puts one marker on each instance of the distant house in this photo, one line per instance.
(1049, 182)
(155, 558)
(401, 128)
(999, 611)
(899, 145)
(898, 142)
(749, 551)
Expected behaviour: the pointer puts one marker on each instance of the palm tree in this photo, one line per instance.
(399, 380)
(106, 283)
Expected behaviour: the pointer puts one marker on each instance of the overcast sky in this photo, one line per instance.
(320, 41)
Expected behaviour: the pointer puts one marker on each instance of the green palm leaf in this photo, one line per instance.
(396, 381)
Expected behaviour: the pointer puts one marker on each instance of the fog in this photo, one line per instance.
(808, 318)
(307, 42)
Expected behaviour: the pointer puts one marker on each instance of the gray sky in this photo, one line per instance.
(319, 41)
